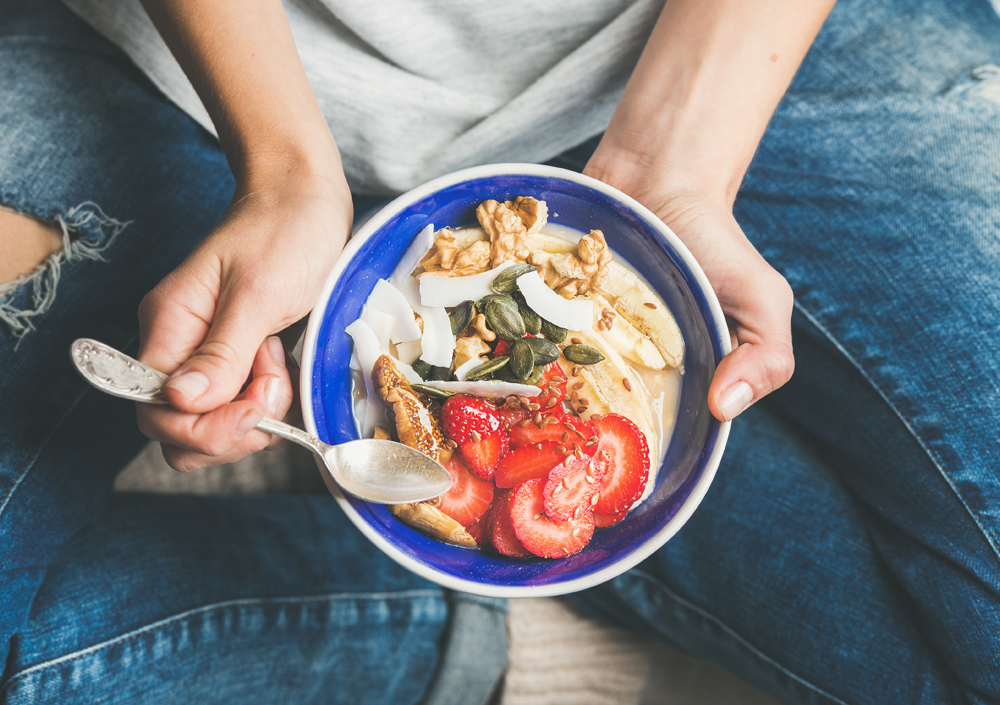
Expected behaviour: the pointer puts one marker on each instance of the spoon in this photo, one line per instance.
(380, 471)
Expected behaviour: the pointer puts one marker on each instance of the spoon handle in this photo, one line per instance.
(118, 374)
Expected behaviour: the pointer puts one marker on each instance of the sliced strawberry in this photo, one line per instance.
(603, 521)
(501, 348)
(469, 497)
(541, 535)
(511, 417)
(528, 463)
(464, 418)
(627, 452)
(482, 457)
(502, 533)
(480, 531)
(570, 488)
(553, 384)
(562, 428)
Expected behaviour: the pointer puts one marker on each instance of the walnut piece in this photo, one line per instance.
(570, 275)
(506, 231)
(446, 260)
(534, 214)
(468, 348)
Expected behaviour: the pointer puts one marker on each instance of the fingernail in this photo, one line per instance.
(273, 394)
(190, 383)
(247, 423)
(276, 349)
(735, 400)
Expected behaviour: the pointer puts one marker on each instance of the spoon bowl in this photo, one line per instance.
(379, 471)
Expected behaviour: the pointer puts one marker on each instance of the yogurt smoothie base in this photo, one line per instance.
(433, 322)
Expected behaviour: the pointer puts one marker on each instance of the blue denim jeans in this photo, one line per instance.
(846, 553)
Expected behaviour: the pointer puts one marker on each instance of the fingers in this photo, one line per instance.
(193, 441)
(762, 361)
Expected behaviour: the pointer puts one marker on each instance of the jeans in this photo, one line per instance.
(846, 553)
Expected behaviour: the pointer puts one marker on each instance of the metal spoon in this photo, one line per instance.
(384, 472)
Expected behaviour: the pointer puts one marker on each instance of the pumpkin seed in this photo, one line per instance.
(522, 359)
(443, 374)
(582, 354)
(422, 369)
(487, 368)
(506, 281)
(432, 391)
(503, 298)
(532, 321)
(544, 351)
(536, 374)
(553, 332)
(461, 316)
(505, 320)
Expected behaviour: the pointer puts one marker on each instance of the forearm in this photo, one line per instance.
(241, 58)
(704, 90)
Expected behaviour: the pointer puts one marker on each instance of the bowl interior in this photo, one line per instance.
(572, 201)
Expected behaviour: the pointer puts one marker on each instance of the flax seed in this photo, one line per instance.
(576, 371)
(568, 426)
(551, 402)
(451, 444)
(549, 420)
(568, 460)
(650, 305)
(591, 443)
(626, 383)
(576, 341)
(565, 437)
(578, 385)
(596, 417)
(610, 313)
(523, 422)
(585, 401)
(558, 380)
(538, 419)
(534, 407)
(543, 395)
(579, 454)
(560, 449)
(476, 438)
(600, 324)
(579, 433)
(537, 516)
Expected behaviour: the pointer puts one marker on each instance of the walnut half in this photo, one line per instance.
(570, 275)
(445, 260)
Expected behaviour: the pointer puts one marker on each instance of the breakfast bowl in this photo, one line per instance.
(637, 237)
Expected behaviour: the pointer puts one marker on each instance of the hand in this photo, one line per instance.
(209, 323)
(756, 299)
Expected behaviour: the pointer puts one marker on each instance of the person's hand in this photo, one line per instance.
(756, 299)
(210, 323)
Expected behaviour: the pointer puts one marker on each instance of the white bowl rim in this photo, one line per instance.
(655, 541)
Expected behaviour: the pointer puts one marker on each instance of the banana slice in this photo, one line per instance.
(610, 387)
(623, 336)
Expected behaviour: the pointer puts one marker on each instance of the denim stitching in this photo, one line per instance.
(731, 632)
(920, 441)
(205, 609)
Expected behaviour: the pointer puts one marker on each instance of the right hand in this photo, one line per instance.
(209, 323)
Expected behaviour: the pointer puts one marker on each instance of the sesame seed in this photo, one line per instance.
(650, 305)
(626, 383)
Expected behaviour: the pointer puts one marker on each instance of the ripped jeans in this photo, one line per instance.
(846, 553)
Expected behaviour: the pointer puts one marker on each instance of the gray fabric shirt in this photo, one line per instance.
(413, 89)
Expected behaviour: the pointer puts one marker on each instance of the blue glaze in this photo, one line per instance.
(634, 239)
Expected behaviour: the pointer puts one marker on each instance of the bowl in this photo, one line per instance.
(636, 235)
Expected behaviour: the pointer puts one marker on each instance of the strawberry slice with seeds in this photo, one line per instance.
(512, 417)
(479, 530)
(468, 419)
(603, 521)
(483, 456)
(501, 532)
(625, 448)
(569, 431)
(569, 489)
(469, 497)
(540, 534)
(553, 384)
(528, 463)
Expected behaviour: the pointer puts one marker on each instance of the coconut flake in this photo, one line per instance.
(487, 388)
(381, 324)
(571, 314)
(390, 300)
(408, 352)
(417, 250)
(436, 290)
(437, 342)
(367, 348)
(411, 375)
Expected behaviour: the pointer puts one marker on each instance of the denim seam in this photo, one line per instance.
(205, 609)
(920, 441)
(732, 632)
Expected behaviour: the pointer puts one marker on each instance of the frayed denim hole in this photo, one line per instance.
(87, 231)
(981, 83)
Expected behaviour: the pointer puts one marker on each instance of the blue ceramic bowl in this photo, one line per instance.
(643, 241)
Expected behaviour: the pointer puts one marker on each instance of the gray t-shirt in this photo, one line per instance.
(413, 89)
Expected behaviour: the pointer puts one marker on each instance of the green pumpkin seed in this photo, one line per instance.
(506, 281)
(422, 369)
(532, 321)
(432, 391)
(544, 351)
(522, 359)
(504, 320)
(505, 375)
(487, 368)
(461, 316)
(443, 374)
(582, 354)
(536, 374)
(553, 332)
(503, 298)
